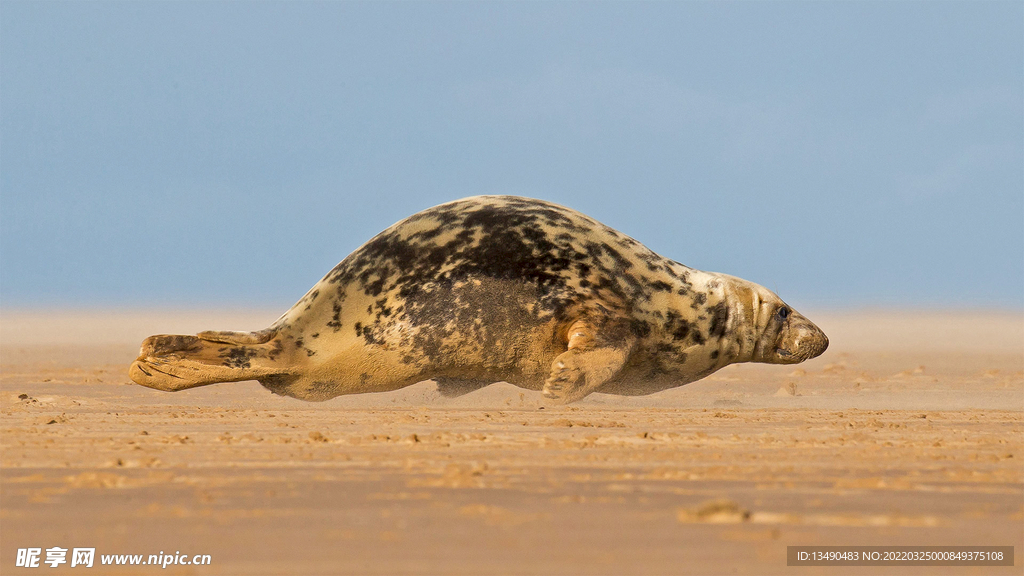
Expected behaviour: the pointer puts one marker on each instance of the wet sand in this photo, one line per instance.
(908, 431)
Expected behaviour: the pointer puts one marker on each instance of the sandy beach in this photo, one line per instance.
(909, 430)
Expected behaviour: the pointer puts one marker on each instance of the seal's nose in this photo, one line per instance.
(820, 346)
(814, 343)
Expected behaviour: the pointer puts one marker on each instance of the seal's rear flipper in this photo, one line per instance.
(597, 352)
(177, 362)
(239, 338)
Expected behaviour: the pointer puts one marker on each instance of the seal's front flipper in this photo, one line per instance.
(177, 362)
(597, 352)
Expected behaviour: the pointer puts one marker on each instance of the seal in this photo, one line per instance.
(496, 288)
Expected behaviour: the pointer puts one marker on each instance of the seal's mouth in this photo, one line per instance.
(784, 356)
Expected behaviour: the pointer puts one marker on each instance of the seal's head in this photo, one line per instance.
(788, 337)
(777, 334)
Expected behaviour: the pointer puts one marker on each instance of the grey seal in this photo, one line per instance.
(497, 288)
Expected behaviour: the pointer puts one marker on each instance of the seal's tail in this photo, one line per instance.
(177, 362)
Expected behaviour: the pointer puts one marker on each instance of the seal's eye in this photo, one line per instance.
(783, 313)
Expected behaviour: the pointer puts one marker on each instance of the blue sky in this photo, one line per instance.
(215, 154)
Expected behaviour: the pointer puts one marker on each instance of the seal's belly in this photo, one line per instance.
(479, 328)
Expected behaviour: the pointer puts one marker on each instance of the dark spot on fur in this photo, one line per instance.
(335, 322)
(370, 337)
(322, 388)
(430, 234)
(719, 320)
(640, 328)
(238, 357)
(383, 310)
(621, 262)
(681, 331)
(275, 350)
(375, 288)
(277, 382)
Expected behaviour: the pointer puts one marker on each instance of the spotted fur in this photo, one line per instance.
(496, 288)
